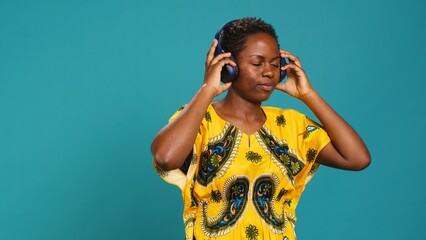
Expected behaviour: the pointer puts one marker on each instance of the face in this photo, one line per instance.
(259, 68)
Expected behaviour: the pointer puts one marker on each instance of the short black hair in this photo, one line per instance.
(234, 36)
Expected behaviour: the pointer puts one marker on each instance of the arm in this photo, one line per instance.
(346, 149)
(174, 142)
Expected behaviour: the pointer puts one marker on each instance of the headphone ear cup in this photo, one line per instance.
(229, 73)
(224, 74)
(283, 73)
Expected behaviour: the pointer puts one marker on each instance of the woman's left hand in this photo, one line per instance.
(297, 84)
(346, 149)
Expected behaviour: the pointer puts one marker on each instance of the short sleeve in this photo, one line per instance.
(312, 139)
(182, 175)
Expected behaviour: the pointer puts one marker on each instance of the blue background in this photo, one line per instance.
(86, 85)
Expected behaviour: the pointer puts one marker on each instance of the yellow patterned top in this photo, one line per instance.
(239, 186)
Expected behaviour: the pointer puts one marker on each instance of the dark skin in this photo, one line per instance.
(259, 65)
(258, 78)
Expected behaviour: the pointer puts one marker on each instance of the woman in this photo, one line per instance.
(242, 166)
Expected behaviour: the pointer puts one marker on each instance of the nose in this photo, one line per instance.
(268, 71)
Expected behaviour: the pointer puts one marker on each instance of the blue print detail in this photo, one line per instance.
(280, 151)
(263, 198)
(216, 155)
(308, 131)
(236, 190)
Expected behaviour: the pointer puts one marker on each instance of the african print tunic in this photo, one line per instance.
(239, 186)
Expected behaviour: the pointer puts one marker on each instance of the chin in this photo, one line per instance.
(262, 99)
(265, 96)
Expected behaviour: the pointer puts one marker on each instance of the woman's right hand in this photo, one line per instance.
(172, 145)
(214, 65)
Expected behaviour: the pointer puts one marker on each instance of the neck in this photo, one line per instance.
(234, 107)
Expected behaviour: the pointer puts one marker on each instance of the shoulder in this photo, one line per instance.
(209, 114)
(275, 111)
(286, 119)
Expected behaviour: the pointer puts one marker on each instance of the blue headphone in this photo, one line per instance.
(229, 73)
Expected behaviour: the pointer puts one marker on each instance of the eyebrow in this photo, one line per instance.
(261, 56)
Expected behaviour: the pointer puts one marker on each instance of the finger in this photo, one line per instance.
(291, 57)
(280, 86)
(210, 53)
(220, 57)
(220, 61)
(225, 86)
(216, 68)
(293, 70)
(292, 66)
(283, 87)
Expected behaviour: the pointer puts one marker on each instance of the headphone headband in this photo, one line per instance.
(218, 37)
(229, 72)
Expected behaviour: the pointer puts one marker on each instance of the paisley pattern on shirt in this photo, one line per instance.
(235, 201)
(285, 158)
(218, 154)
(264, 189)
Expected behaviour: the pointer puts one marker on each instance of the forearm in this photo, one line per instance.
(343, 137)
(174, 142)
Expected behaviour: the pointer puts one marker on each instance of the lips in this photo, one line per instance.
(266, 87)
